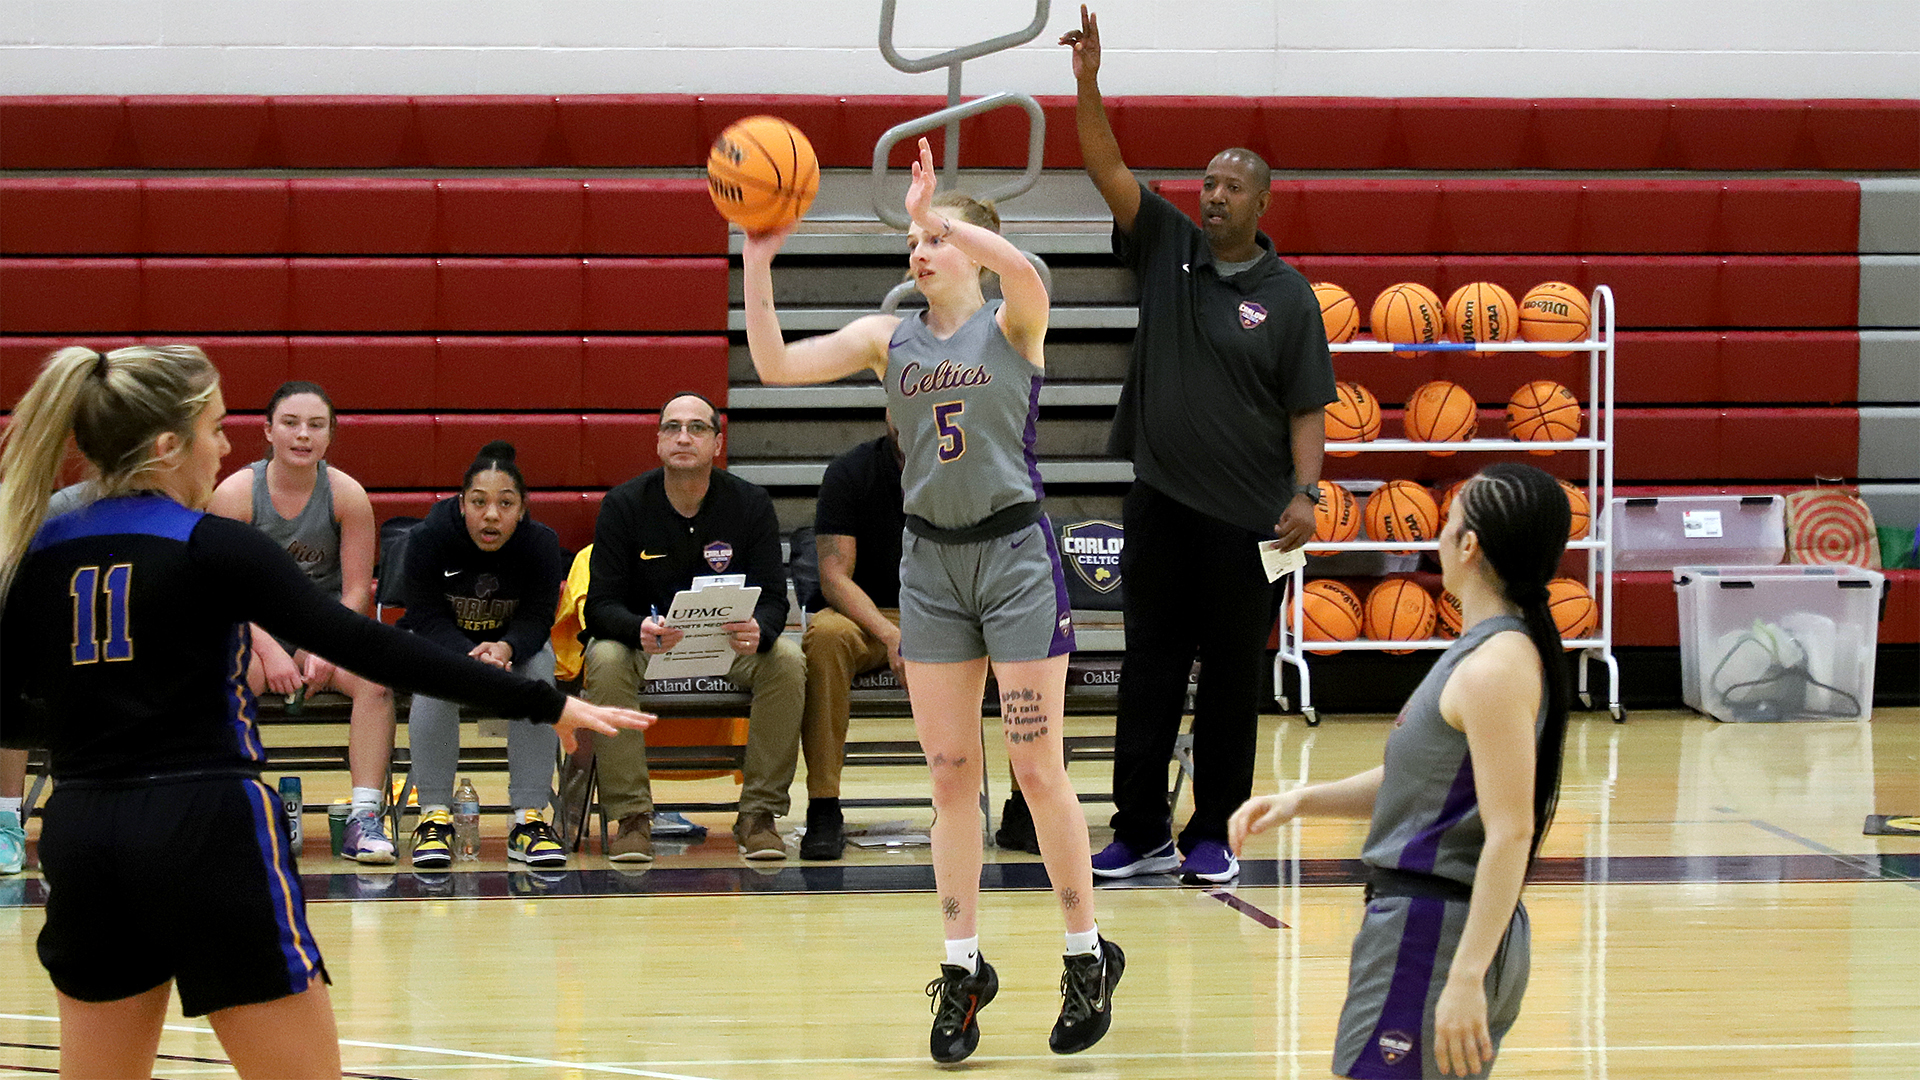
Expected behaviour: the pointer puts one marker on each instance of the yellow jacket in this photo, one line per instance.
(570, 619)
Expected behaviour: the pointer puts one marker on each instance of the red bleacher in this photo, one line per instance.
(647, 130)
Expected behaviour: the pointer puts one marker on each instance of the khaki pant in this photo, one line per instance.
(837, 649)
(777, 679)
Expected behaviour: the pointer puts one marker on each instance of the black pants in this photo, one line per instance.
(1195, 586)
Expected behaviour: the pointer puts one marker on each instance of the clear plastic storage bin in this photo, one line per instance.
(1760, 643)
(1667, 531)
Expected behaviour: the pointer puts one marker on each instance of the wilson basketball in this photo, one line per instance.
(1401, 510)
(1399, 610)
(1554, 311)
(1441, 411)
(1336, 518)
(1408, 312)
(1543, 411)
(1447, 615)
(761, 173)
(1580, 511)
(1574, 611)
(1481, 311)
(1353, 417)
(1331, 612)
(1338, 311)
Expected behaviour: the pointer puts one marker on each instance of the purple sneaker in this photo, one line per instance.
(365, 840)
(1117, 860)
(1209, 862)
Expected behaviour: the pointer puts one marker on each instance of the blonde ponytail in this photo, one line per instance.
(114, 405)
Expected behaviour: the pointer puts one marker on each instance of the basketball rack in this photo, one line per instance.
(1597, 443)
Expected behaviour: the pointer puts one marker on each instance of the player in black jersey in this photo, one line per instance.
(125, 645)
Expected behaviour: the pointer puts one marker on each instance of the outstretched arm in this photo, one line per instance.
(1349, 798)
(861, 343)
(1098, 148)
(1024, 316)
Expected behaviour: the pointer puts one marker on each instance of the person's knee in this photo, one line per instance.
(608, 672)
(782, 667)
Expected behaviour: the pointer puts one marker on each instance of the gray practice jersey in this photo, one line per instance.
(966, 409)
(312, 537)
(1426, 818)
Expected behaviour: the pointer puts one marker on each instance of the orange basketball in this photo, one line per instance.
(1543, 411)
(1354, 417)
(1574, 611)
(1554, 311)
(1579, 508)
(1338, 311)
(761, 173)
(1481, 311)
(1408, 312)
(1331, 611)
(1401, 510)
(1399, 610)
(1441, 411)
(1449, 617)
(1445, 501)
(1336, 518)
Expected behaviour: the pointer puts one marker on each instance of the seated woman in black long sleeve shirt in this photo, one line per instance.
(483, 581)
(125, 644)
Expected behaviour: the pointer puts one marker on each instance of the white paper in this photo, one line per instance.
(708, 581)
(1280, 562)
(1700, 524)
(699, 614)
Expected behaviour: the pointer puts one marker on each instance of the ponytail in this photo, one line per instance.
(114, 404)
(1521, 516)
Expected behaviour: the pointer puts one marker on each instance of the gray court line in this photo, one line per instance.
(1861, 863)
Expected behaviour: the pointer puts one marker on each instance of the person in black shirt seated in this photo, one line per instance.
(482, 580)
(655, 534)
(167, 858)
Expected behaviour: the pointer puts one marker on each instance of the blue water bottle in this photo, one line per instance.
(292, 804)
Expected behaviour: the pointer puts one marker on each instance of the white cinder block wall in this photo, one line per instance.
(1506, 48)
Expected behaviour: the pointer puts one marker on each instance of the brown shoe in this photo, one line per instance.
(634, 842)
(758, 840)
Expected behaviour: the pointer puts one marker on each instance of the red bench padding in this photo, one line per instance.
(1156, 132)
(358, 216)
(246, 295)
(1637, 217)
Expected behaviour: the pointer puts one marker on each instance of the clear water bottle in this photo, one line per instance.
(466, 821)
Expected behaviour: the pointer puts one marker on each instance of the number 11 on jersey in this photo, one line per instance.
(85, 588)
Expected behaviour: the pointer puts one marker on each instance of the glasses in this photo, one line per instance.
(695, 428)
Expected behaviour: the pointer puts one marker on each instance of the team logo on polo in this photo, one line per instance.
(1251, 314)
(1395, 1046)
(1093, 549)
(719, 555)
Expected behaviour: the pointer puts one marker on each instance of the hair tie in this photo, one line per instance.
(100, 365)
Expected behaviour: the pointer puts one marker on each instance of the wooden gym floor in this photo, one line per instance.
(1707, 906)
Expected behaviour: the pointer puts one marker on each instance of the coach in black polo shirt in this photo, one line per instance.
(1221, 415)
(655, 534)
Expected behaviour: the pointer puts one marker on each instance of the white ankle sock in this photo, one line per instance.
(964, 952)
(10, 804)
(366, 798)
(1083, 944)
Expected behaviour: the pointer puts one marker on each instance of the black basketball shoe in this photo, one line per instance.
(1086, 991)
(958, 996)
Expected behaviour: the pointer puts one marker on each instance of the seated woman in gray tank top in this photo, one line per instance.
(1468, 788)
(980, 576)
(324, 519)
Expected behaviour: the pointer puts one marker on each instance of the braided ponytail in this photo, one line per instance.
(1521, 517)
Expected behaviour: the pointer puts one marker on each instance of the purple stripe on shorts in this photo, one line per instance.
(283, 889)
(1062, 607)
(1028, 439)
(1394, 1050)
(1423, 850)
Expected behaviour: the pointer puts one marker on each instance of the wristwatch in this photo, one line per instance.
(1311, 491)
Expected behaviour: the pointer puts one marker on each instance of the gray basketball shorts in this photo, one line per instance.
(1400, 961)
(1004, 598)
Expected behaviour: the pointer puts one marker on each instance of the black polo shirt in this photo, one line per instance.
(860, 497)
(1219, 366)
(644, 553)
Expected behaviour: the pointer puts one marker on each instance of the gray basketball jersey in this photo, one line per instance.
(312, 538)
(1426, 818)
(966, 409)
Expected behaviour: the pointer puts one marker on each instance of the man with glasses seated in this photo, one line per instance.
(655, 534)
